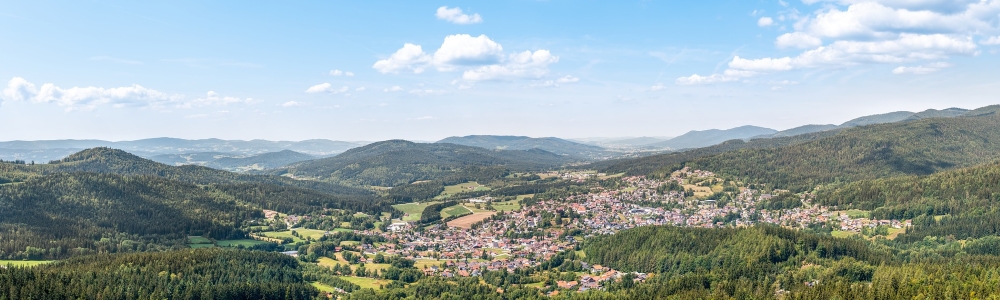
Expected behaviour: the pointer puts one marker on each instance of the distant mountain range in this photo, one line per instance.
(229, 162)
(550, 144)
(44, 151)
(399, 162)
(697, 139)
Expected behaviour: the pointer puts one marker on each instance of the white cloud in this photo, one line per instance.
(197, 116)
(568, 79)
(360, 89)
(921, 70)
(291, 104)
(657, 87)
(525, 64)
(426, 92)
(341, 73)
(455, 15)
(479, 57)
(326, 88)
(763, 64)
(85, 98)
(995, 40)
(212, 99)
(797, 40)
(410, 57)
(765, 22)
(698, 79)
(395, 88)
(465, 50)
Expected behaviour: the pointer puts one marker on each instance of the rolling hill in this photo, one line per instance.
(550, 144)
(232, 162)
(398, 162)
(44, 151)
(704, 138)
(916, 147)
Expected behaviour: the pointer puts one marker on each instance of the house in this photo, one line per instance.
(397, 226)
(566, 284)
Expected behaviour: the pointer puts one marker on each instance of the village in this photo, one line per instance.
(528, 236)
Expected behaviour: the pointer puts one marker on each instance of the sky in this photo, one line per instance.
(425, 70)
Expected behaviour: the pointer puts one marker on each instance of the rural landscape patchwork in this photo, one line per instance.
(526, 171)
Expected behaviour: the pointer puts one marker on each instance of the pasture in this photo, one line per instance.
(237, 243)
(455, 211)
(508, 205)
(467, 221)
(366, 282)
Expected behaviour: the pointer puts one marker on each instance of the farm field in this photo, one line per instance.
(455, 211)
(323, 287)
(365, 282)
(236, 243)
(467, 221)
(842, 234)
(313, 233)
(23, 263)
(507, 206)
(462, 187)
(857, 213)
(413, 210)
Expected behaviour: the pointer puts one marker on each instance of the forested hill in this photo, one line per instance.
(704, 138)
(550, 144)
(966, 202)
(397, 162)
(183, 274)
(916, 147)
(113, 161)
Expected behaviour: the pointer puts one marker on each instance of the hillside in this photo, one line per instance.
(397, 162)
(264, 161)
(182, 274)
(804, 129)
(704, 138)
(917, 147)
(968, 199)
(113, 161)
(550, 144)
(61, 212)
(44, 151)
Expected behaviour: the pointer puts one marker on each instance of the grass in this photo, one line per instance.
(581, 254)
(895, 232)
(857, 213)
(537, 285)
(455, 211)
(198, 240)
(349, 243)
(463, 187)
(313, 233)
(23, 263)
(323, 287)
(424, 263)
(236, 243)
(507, 206)
(365, 282)
(522, 197)
(414, 210)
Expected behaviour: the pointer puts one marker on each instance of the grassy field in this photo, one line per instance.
(857, 213)
(23, 263)
(455, 211)
(198, 240)
(507, 206)
(895, 232)
(235, 243)
(413, 209)
(463, 187)
(349, 243)
(323, 287)
(365, 282)
(314, 233)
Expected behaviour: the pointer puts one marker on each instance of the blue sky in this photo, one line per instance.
(425, 70)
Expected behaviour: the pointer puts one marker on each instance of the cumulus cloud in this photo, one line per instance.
(360, 89)
(657, 87)
(862, 32)
(921, 70)
(426, 92)
(341, 73)
(568, 79)
(463, 50)
(326, 88)
(765, 22)
(84, 98)
(291, 104)
(455, 15)
(797, 40)
(410, 57)
(214, 99)
(395, 88)
(479, 57)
